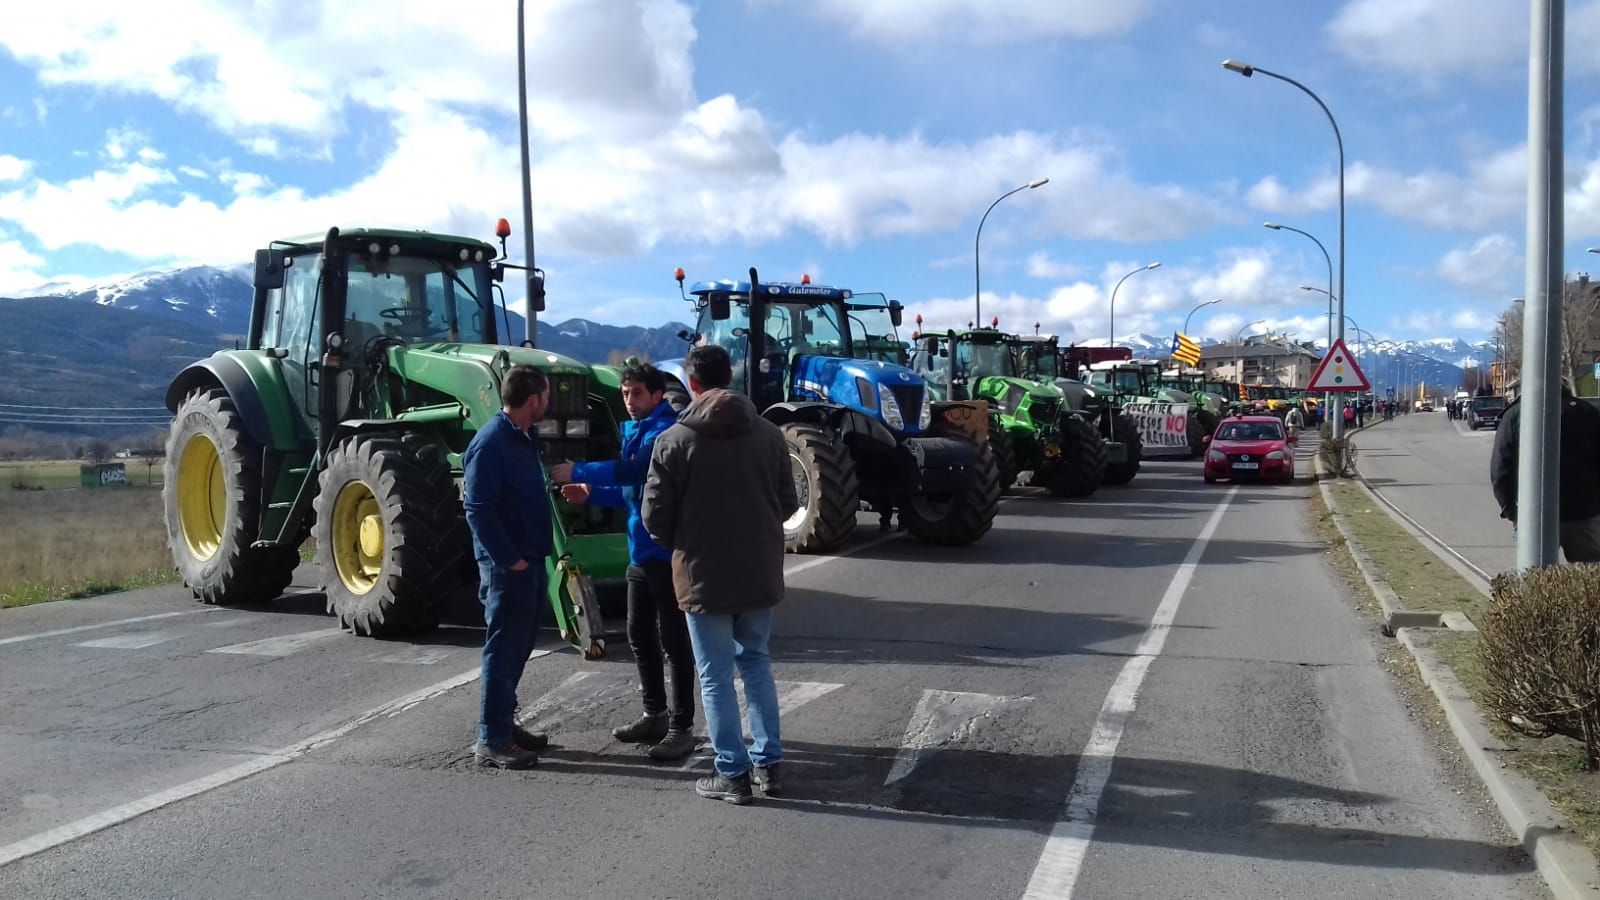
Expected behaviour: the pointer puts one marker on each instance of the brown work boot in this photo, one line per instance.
(647, 729)
(676, 745)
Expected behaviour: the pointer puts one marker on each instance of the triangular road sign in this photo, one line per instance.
(1338, 372)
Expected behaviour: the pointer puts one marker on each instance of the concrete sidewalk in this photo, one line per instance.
(1437, 472)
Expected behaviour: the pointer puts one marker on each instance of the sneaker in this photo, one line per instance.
(676, 745)
(529, 740)
(646, 729)
(765, 778)
(721, 787)
(505, 756)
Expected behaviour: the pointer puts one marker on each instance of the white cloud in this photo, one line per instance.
(1436, 38)
(19, 267)
(1013, 21)
(1490, 265)
(12, 168)
(1040, 265)
(1491, 191)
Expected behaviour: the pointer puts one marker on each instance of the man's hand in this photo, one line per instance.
(562, 472)
(520, 565)
(575, 493)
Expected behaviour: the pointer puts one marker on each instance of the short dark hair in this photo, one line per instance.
(709, 366)
(521, 383)
(643, 373)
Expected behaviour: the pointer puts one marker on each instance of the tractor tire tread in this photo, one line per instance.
(836, 489)
(971, 512)
(1082, 468)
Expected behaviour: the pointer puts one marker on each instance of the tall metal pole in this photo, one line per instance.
(1539, 441)
(977, 280)
(1247, 71)
(1197, 309)
(527, 180)
(1113, 328)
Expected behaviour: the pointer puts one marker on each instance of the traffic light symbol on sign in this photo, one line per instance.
(1338, 372)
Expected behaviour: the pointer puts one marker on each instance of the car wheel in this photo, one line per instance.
(1211, 479)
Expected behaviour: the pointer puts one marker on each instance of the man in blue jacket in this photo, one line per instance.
(508, 510)
(654, 620)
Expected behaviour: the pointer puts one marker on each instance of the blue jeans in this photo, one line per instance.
(720, 643)
(511, 603)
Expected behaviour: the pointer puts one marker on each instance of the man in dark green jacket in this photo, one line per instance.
(719, 489)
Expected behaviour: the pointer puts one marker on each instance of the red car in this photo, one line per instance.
(1250, 448)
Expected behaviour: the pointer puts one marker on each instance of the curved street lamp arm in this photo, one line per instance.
(977, 283)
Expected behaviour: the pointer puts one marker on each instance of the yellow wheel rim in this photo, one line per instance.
(358, 537)
(202, 497)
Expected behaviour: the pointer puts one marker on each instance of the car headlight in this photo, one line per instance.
(1217, 456)
(549, 428)
(925, 418)
(577, 428)
(1276, 454)
(890, 408)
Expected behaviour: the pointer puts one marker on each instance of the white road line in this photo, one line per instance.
(812, 563)
(415, 655)
(579, 693)
(60, 631)
(116, 815)
(791, 696)
(940, 718)
(133, 640)
(1061, 861)
(282, 645)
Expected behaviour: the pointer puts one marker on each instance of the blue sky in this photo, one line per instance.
(858, 141)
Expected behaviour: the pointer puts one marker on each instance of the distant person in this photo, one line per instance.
(1361, 414)
(1295, 421)
(718, 492)
(655, 623)
(1580, 474)
(1349, 414)
(508, 510)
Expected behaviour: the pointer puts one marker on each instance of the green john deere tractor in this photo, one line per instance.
(1208, 405)
(1033, 428)
(372, 359)
(1039, 357)
(1139, 381)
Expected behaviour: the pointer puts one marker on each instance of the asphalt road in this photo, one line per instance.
(1437, 471)
(1159, 692)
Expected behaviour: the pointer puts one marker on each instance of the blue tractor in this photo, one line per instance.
(859, 431)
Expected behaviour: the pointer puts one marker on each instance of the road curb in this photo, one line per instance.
(1562, 859)
(1565, 863)
(1395, 615)
(1436, 546)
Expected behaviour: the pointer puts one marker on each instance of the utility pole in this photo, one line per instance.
(1539, 441)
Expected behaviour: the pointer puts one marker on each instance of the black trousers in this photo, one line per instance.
(654, 624)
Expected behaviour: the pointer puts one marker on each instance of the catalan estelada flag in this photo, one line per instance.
(1185, 350)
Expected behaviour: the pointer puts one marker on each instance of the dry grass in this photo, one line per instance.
(74, 543)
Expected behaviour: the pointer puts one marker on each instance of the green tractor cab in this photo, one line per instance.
(1040, 358)
(372, 358)
(860, 430)
(1032, 427)
(1208, 404)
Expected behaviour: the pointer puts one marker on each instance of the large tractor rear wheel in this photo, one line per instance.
(1128, 435)
(1005, 455)
(826, 485)
(1197, 435)
(963, 517)
(212, 503)
(1082, 466)
(390, 534)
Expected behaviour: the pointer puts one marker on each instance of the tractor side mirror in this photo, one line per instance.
(270, 265)
(719, 307)
(896, 313)
(536, 290)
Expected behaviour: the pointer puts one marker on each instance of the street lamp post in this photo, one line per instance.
(977, 282)
(1144, 268)
(1238, 369)
(534, 296)
(1197, 309)
(1247, 71)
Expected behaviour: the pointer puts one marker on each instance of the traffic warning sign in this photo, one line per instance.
(1338, 372)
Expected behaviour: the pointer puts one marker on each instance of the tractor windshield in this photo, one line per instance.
(1036, 359)
(791, 329)
(869, 319)
(976, 360)
(415, 300)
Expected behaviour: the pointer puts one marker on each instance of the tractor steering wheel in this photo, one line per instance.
(405, 315)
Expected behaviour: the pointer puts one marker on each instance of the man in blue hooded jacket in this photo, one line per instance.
(654, 620)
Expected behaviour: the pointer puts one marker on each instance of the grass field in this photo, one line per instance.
(48, 474)
(75, 543)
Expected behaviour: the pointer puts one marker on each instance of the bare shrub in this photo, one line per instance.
(1338, 456)
(1540, 649)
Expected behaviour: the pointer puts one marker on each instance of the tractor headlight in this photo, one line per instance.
(577, 428)
(890, 408)
(925, 418)
(549, 428)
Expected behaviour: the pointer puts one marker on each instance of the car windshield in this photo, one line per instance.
(1482, 404)
(1250, 431)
